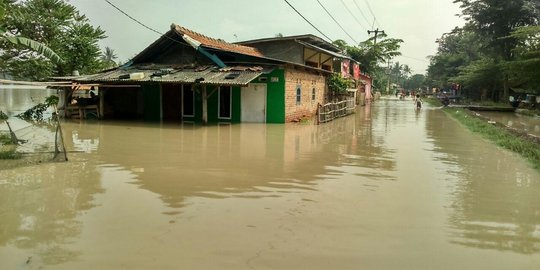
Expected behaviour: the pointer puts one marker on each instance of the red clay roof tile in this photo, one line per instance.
(218, 44)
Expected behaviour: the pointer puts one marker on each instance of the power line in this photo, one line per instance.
(413, 58)
(298, 12)
(355, 42)
(361, 12)
(143, 25)
(350, 12)
(137, 21)
(372, 14)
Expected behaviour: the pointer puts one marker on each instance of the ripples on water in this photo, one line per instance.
(388, 180)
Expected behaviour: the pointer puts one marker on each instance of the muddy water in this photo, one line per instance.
(387, 188)
(528, 124)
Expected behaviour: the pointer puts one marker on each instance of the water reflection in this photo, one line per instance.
(40, 205)
(495, 202)
(219, 161)
(387, 180)
(528, 124)
(15, 100)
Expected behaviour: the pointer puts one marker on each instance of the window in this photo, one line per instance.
(313, 94)
(188, 101)
(224, 106)
(298, 95)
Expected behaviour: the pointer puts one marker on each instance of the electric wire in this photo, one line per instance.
(414, 58)
(352, 14)
(372, 14)
(361, 12)
(142, 24)
(298, 12)
(345, 31)
(137, 21)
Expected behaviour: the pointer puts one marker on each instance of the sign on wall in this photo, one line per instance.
(345, 68)
(356, 71)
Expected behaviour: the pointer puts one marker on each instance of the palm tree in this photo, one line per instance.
(109, 57)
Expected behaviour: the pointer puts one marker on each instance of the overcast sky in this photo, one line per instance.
(417, 22)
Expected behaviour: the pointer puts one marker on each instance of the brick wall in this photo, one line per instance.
(306, 81)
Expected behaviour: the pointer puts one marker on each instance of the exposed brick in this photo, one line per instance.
(307, 82)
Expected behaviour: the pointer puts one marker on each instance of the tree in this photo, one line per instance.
(495, 20)
(108, 58)
(340, 43)
(523, 71)
(415, 82)
(369, 53)
(455, 52)
(63, 30)
(38, 47)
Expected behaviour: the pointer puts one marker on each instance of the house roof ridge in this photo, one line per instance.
(217, 43)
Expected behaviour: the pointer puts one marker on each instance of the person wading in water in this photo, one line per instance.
(418, 102)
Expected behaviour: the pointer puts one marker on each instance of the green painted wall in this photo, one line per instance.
(275, 101)
(152, 102)
(212, 104)
(275, 96)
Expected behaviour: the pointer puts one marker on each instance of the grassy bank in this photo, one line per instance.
(7, 148)
(499, 135)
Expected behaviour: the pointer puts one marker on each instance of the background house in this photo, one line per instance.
(312, 51)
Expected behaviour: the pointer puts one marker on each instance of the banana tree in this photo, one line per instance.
(32, 45)
(26, 42)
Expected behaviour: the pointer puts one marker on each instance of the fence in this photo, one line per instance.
(331, 111)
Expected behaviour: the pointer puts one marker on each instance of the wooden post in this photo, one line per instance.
(101, 103)
(204, 105)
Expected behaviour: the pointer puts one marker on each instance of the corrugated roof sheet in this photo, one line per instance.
(203, 76)
(218, 44)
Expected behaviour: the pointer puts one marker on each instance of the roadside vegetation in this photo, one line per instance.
(499, 135)
(496, 54)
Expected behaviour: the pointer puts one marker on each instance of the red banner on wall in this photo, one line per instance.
(345, 67)
(356, 71)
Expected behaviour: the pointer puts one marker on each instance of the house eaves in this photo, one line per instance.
(335, 54)
(210, 76)
(308, 38)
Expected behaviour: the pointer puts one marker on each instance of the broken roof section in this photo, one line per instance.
(218, 44)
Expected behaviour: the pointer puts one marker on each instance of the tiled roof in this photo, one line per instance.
(216, 43)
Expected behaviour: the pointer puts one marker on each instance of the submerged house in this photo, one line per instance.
(312, 51)
(186, 76)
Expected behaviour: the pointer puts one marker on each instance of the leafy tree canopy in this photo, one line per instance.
(496, 51)
(56, 24)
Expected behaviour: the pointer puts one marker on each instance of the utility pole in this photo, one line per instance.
(388, 72)
(376, 32)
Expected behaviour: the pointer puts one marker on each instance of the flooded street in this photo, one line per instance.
(386, 188)
(529, 124)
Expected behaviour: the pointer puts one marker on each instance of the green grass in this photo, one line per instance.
(9, 154)
(433, 101)
(498, 135)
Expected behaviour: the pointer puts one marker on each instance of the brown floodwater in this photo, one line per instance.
(528, 124)
(386, 188)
